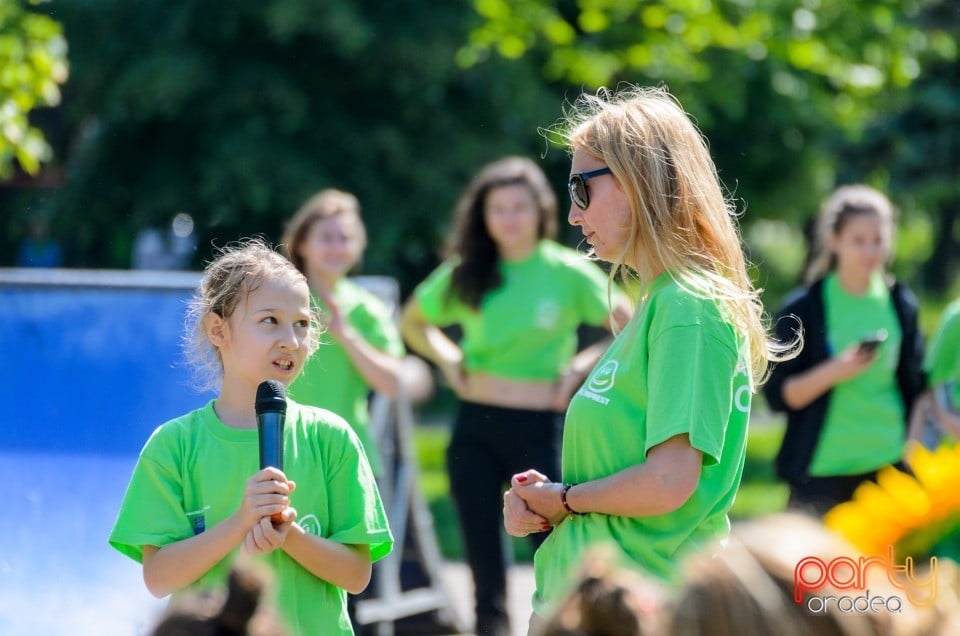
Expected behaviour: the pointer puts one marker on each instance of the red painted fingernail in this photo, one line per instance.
(521, 479)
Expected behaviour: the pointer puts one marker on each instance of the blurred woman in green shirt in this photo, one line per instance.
(361, 348)
(848, 394)
(519, 298)
(937, 410)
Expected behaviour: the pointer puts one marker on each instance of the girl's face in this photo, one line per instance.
(606, 221)
(267, 337)
(332, 246)
(862, 245)
(512, 217)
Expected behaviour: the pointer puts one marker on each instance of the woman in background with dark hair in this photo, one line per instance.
(519, 298)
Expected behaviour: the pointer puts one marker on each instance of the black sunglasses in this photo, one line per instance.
(577, 185)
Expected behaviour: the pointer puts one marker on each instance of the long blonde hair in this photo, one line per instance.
(680, 219)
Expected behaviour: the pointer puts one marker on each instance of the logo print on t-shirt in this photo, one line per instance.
(198, 520)
(310, 524)
(602, 379)
(547, 313)
(600, 382)
(741, 398)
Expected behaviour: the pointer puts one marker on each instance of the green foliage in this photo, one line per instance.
(914, 148)
(234, 113)
(777, 251)
(32, 66)
(831, 54)
(795, 97)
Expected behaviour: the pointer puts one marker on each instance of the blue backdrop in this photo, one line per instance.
(90, 369)
(90, 365)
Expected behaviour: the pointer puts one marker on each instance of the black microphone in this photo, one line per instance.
(271, 408)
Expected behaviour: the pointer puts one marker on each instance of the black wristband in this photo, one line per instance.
(563, 500)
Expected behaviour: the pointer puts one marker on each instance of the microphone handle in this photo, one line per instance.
(270, 429)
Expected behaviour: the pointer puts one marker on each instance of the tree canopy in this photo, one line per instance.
(234, 113)
(795, 97)
(32, 67)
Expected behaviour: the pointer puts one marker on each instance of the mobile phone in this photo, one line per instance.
(871, 342)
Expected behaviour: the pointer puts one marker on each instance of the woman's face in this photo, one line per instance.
(862, 245)
(331, 247)
(606, 221)
(512, 217)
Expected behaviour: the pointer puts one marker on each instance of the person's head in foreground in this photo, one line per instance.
(239, 613)
(607, 600)
(753, 586)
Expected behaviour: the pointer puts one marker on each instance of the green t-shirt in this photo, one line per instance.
(678, 368)
(191, 476)
(526, 329)
(942, 362)
(865, 427)
(331, 381)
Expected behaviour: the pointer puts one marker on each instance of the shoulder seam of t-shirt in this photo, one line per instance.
(168, 471)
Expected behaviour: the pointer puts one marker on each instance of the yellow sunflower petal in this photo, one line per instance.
(910, 497)
(938, 473)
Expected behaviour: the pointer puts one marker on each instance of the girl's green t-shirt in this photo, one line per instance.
(679, 368)
(329, 378)
(191, 474)
(526, 329)
(865, 424)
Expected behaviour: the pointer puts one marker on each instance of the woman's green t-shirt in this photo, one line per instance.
(865, 424)
(678, 368)
(526, 329)
(329, 378)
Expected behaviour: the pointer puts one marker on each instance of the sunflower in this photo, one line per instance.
(915, 513)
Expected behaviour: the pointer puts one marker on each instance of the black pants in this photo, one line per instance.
(819, 494)
(489, 445)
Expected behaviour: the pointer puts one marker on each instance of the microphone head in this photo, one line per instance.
(271, 397)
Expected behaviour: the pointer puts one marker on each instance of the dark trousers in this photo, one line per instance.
(819, 494)
(489, 445)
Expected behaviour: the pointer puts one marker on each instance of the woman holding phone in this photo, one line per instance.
(849, 392)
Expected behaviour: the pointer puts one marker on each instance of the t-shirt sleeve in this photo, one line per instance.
(594, 293)
(433, 296)
(357, 516)
(691, 386)
(377, 327)
(940, 362)
(152, 509)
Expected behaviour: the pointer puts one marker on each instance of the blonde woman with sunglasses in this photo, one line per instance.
(654, 441)
(519, 298)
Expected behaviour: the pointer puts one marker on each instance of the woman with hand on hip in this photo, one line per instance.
(519, 298)
(654, 441)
